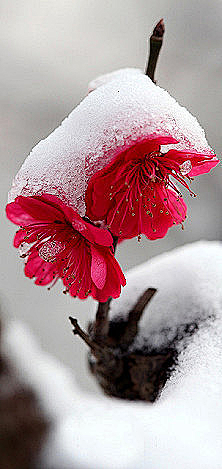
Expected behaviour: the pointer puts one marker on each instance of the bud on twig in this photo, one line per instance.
(156, 41)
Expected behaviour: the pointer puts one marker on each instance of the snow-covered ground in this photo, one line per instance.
(183, 428)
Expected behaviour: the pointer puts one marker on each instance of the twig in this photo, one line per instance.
(156, 41)
(101, 324)
(137, 310)
(84, 336)
(134, 316)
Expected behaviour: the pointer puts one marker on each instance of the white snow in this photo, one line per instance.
(183, 428)
(121, 74)
(126, 108)
(37, 368)
(189, 284)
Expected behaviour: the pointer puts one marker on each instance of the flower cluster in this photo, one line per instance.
(65, 246)
(103, 174)
(135, 194)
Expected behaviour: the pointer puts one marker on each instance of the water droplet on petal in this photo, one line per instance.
(49, 250)
(185, 167)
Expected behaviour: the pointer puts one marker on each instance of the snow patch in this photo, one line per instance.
(183, 428)
(127, 108)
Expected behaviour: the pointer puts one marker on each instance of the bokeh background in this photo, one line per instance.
(49, 51)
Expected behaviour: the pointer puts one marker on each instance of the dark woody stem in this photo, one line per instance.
(156, 41)
(101, 325)
(134, 316)
(95, 344)
(77, 330)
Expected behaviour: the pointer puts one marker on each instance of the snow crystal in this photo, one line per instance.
(127, 108)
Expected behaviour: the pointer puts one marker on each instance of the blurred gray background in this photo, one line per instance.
(49, 51)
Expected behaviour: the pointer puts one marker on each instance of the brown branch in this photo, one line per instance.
(99, 351)
(84, 336)
(156, 41)
(134, 316)
(101, 325)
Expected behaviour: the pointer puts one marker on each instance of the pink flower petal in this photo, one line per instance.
(98, 268)
(19, 238)
(27, 210)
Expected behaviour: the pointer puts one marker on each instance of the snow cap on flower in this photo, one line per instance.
(126, 109)
(122, 74)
